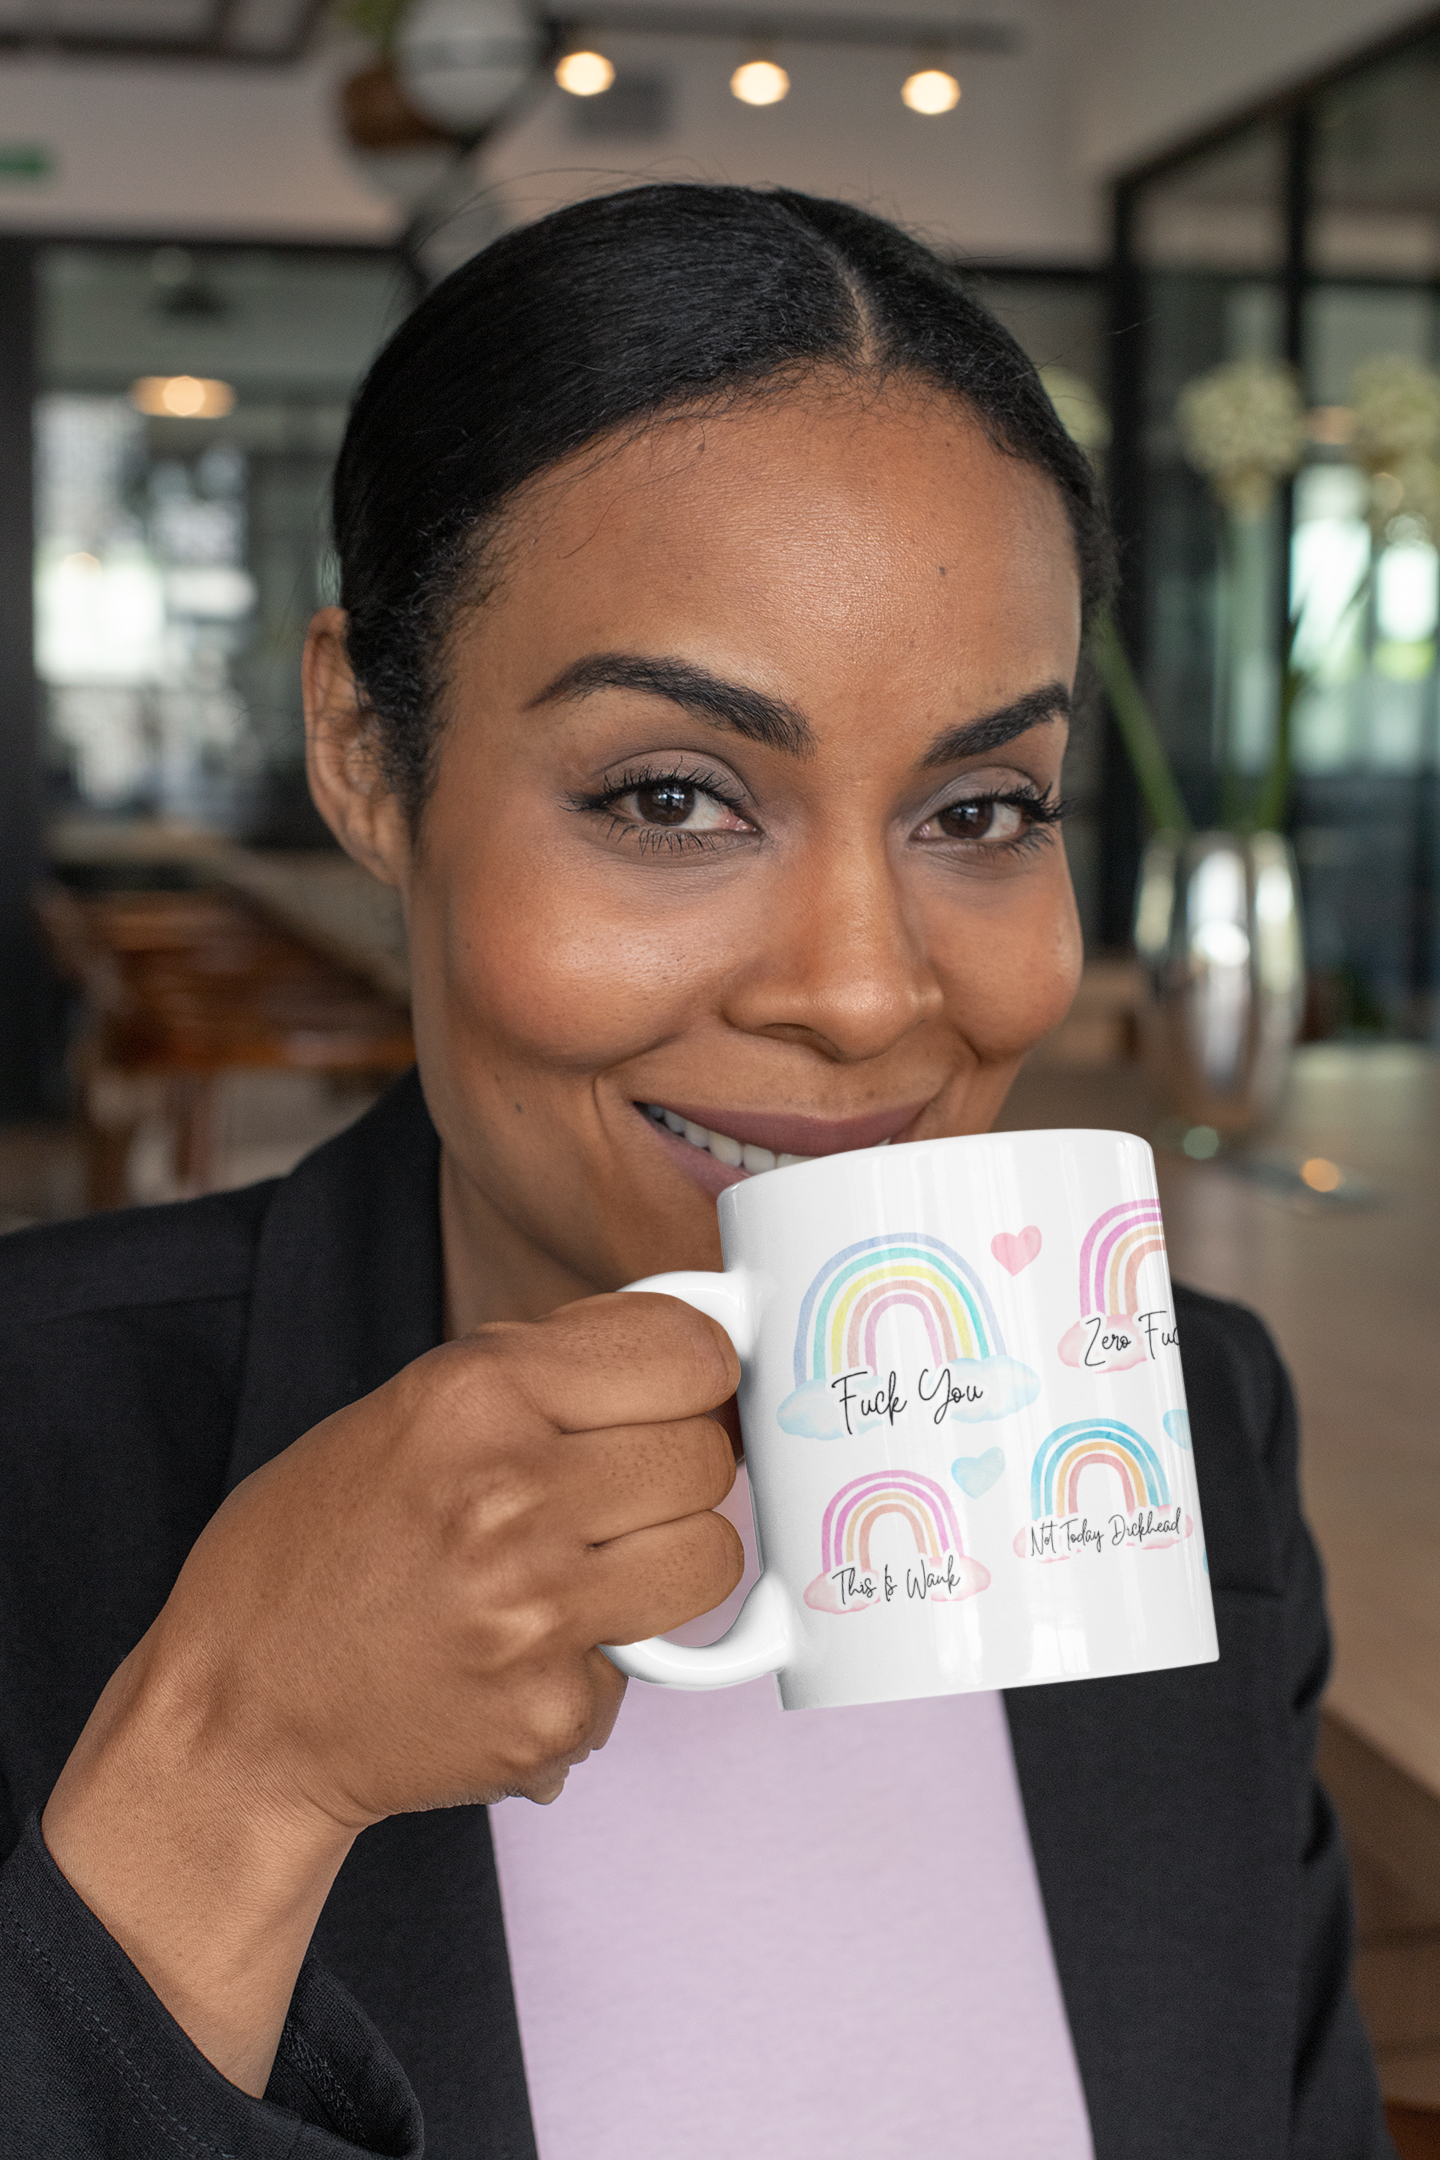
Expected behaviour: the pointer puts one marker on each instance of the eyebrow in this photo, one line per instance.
(773, 722)
(993, 730)
(747, 712)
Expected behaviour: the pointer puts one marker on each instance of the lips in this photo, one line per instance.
(718, 1148)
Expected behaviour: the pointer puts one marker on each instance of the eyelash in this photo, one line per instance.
(638, 777)
(1044, 813)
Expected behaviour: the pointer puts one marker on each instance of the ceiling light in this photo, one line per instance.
(759, 82)
(182, 397)
(584, 74)
(931, 90)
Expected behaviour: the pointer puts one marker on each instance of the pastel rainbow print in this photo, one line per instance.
(1071, 1450)
(849, 1581)
(1116, 1246)
(843, 1307)
(855, 1510)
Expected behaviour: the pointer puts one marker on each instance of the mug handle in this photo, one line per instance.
(762, 1638)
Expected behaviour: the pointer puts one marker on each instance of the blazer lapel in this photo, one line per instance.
(348, 1283)
(348, 1288)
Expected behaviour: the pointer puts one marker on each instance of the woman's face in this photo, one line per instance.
(739, 826)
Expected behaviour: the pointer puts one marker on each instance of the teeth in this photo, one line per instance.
(733, 1153)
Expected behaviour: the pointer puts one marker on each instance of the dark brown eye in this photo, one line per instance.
(666, 802)
(968, 820)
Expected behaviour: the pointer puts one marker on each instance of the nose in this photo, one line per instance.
(841, 963)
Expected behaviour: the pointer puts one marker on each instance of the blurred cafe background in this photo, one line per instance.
(1216, 231)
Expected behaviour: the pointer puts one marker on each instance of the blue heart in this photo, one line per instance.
(1177, 1424)
(975, 1474)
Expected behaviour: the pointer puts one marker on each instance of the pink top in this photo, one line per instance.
(741, 1934)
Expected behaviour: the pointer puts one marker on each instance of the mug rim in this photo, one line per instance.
(891, 1151)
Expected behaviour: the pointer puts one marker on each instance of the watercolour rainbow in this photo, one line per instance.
(1071, 1450)
(847, 1581)
(1115, 1248)
(852, 1515)
(844, 1305)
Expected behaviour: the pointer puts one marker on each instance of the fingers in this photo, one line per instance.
(616, 1360)
(611, 1483)
(656, 1579)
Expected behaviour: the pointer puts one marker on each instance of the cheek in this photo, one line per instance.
(1010, 971)
(520, 956)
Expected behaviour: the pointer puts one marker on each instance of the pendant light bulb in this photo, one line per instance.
(931, 90)
(584, 74)
(759, 82)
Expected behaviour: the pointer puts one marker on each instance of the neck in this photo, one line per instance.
(493, 1271)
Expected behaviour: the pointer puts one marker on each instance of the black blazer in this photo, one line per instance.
(1191, 1868)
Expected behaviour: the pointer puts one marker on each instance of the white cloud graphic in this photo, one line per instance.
(985, 1388)
(816, 1412)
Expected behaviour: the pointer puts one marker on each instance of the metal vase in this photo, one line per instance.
(1217, 926)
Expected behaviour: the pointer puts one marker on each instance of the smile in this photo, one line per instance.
(732, 1157)
(734, 1154)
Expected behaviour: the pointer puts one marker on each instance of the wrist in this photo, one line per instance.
(200, 1854)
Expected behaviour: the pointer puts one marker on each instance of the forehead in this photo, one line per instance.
(821, 530)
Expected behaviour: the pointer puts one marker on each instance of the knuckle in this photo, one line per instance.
(619, 1334)
(527, 1631)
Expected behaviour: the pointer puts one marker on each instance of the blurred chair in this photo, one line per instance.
(180, 988)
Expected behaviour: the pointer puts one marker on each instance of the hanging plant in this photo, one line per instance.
(374, 110)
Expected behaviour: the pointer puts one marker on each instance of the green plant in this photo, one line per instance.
(1164, 804)
(1159, 790)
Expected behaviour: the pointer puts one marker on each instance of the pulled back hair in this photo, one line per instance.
(606, 315)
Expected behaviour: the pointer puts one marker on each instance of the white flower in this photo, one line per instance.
(1243, 425)
(1397, 412)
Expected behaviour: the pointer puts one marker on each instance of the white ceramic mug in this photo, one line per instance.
(964, 1423)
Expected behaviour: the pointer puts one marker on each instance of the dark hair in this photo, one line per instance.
(600, 317)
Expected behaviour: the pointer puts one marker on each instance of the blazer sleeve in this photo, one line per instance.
(95, 2068)
(1337, 2109)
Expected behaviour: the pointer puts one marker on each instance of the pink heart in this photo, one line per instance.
(1015, 1249)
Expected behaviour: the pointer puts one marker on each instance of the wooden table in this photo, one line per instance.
(321, 895)
(181, 988)
(1351, 1296)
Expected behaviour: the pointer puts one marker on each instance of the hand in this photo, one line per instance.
(399, 1612)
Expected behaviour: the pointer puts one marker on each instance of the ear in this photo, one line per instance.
(342, 761)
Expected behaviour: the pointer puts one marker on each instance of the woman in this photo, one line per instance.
(713, 579)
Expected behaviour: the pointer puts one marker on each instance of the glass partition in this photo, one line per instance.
(191, 403)
(1059, 317)
(1307, 241)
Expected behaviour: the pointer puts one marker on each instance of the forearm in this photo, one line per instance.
(210, 1881)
